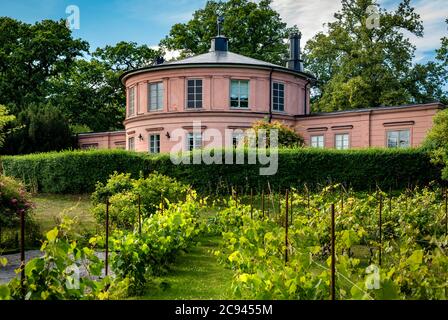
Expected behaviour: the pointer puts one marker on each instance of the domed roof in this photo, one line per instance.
(218, 57)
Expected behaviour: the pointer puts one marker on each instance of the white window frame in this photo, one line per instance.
(276, 106)
(131, 143)
(195, 93)
(154, 143)
(317, 144)
(131, 99)
(345, 142)
(399, 132)
(196, 139)
(159, 96)
(239, 93)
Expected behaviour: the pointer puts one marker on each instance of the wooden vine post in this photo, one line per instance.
(292, 196)
(286, 225)
(139, 214)
(380, 225)
(106, 267)
(262, 202)
(22, 252)
(446, 211)
(251, 203)
(333, 257)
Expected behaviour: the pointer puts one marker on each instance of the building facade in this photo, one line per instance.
(179, 103)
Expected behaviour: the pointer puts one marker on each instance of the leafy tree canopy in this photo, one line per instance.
(361, 67)
(254, 29)
(40, 128)
(5, 119)
(30, 55)
(91, 95)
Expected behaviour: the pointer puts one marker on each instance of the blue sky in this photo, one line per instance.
(147, 21)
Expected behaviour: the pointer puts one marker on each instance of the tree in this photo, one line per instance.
(254, 29)
(5, 119)
(40, 128)
(91, 95)
(30, 55)
(361, 67)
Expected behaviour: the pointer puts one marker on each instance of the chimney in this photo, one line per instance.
(295, 62)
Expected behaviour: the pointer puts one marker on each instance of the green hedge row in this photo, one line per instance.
(363, 169)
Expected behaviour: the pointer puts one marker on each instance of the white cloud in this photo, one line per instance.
(310, 16)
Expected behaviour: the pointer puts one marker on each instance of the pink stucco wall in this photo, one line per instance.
(102, 140)
(369, 128)
(216, 89)
(366, 128)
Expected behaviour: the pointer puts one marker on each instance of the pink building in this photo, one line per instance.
(227, 92)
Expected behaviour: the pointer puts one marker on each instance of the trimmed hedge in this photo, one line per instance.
(362, 169)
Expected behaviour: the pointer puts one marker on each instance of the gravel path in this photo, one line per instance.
(7, 273)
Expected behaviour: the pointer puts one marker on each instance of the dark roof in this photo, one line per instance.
(217, 59)
(222, 57)
(405, 106)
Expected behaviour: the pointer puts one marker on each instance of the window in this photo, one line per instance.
(278, 96)
(131, 101)
(120, 145)
(239, 94)
(131, 144)
(89, 146)
(194, 94)
(155, 99)
(342, 141)
(237, 138)
(399, 139)
(194, 141)
(317, 142)
(154, 143)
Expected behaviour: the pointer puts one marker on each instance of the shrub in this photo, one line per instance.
(437, 141)
(287, 137)
(79, 171)
(14, 200)
(71, 171)
(124, 192)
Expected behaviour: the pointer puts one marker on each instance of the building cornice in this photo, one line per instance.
(379, 110)
(206, 113)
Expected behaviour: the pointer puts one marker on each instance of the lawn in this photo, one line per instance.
(195, 275)
(49, 208)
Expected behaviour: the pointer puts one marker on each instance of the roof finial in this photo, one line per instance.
(220, 21)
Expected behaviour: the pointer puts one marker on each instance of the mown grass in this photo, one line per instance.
(49, 209)
(195, 275)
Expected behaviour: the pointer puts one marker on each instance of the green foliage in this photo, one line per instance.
(437, 141)
(78, 171)
(32, 54)
(55, 275)
(42, 128)
(360, 67)
(123, 193)
(164, 234)
(75, 172)
(5, 119)
(91, 94)
(254, 29)
(413, 244)
(287, 137)
(14, 200)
